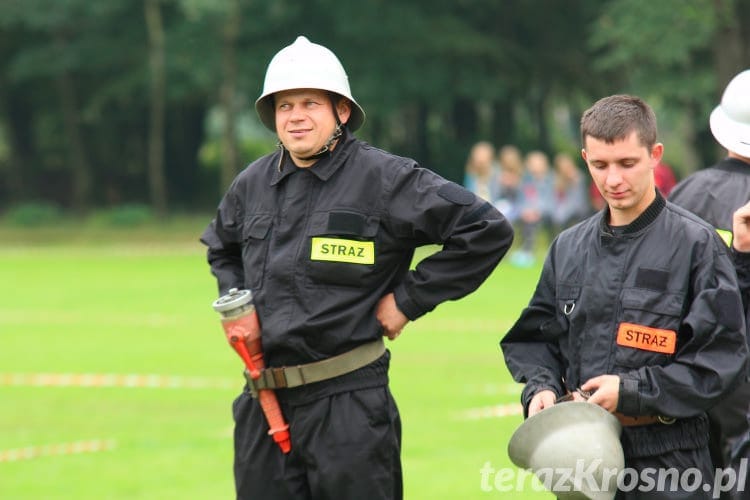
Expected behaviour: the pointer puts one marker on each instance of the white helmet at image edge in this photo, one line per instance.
(730, 121)
(305, 65)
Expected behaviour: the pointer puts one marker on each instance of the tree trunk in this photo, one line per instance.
(228, 95)
(729, 47)
(157, 95)
(503, 123)
(79, 161)
(466, 130)
(539, 113)
(421, 141)
(18, 117)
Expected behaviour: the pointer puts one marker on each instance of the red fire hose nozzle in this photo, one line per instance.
(242, 329)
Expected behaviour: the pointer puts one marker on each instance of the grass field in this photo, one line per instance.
(80, 301)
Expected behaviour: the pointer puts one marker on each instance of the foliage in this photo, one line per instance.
(33, 214)
(661, 43)
(250, 149)
(124, 216)
(433, 77)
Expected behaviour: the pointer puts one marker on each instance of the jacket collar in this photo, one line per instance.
(729, 164)
(323, 169)
(642, 221)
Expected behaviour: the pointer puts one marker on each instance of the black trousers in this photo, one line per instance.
(346, 445)
(729, 424)
(686, 467)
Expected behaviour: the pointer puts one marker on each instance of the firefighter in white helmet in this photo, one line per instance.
(323, 232)
(713, 194)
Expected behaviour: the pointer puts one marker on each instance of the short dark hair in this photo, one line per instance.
(613, 118)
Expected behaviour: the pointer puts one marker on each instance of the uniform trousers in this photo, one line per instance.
(685, 475)
(344, 446)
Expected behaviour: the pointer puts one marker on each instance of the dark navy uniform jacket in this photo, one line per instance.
(320, 246)
(714, 194)
(656, 303)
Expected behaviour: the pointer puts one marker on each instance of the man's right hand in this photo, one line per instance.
(390, 317)
(540, 401)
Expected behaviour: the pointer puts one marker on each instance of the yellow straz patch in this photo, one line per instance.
(647, 338)
(341, 250)
(726, 236)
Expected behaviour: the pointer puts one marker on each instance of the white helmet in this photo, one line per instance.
(570, 437)
(730, 121)
(305, 65)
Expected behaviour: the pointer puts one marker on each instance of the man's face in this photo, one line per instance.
(624, 174)
(305, 121)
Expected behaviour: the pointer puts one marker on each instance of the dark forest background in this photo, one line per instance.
(150, 102)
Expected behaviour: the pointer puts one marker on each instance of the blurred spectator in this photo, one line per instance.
(664, 178)
(571, 203)
(480, 174)
(537, 199)
(509, 182)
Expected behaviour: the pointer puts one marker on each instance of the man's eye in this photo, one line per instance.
(283, 107)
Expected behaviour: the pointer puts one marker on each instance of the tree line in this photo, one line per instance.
(151, 101)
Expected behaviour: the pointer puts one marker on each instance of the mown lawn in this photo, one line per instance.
(81, 300)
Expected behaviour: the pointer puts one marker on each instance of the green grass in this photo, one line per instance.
(97, 300)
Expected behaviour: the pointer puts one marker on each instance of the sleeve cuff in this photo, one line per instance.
(407, 305)
(628, 402)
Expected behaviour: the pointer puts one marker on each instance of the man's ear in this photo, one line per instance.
(344, 109)
(657, 151)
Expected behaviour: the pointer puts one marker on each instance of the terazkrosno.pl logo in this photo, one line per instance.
(594, 478)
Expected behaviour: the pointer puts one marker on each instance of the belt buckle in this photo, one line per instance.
(278, 374)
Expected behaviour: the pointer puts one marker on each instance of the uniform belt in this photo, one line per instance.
(295, 376)
(627, 421)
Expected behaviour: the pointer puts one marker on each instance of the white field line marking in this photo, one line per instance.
(497, 411)
(74, 448)
(132, 380)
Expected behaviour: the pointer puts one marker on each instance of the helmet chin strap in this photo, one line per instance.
(337, 132)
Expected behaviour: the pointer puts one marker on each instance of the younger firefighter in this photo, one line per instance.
(323, 232)
(637, 305)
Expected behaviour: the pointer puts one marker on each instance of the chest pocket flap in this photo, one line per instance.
(343, 223)
(255, 229)
(640, 299)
